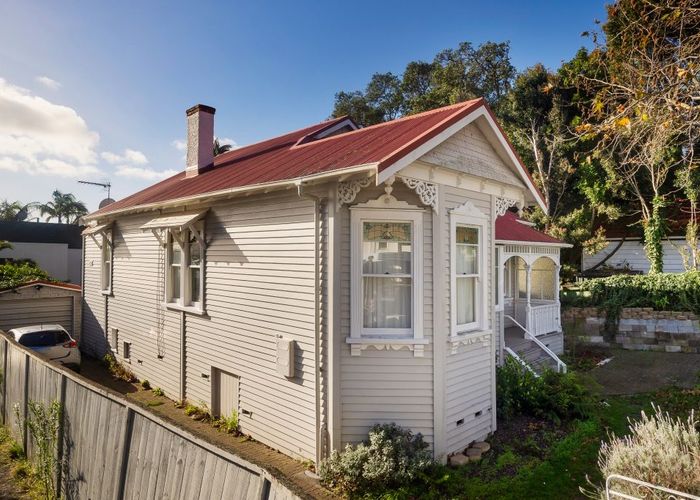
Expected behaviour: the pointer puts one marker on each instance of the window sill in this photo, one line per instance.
(107, 293)
(469, 338)
(188, 309)
(359, 344)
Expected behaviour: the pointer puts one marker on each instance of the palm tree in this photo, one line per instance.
(63, 206)
(220, 148)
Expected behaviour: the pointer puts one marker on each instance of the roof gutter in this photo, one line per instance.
(269, 186)
(534, 243)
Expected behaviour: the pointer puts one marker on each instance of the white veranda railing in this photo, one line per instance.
(544, 318)
(561, 366)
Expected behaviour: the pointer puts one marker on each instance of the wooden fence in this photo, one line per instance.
(110, 448)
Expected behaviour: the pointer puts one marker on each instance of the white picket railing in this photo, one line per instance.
(561, 366)
(544, 318)
(652, 490)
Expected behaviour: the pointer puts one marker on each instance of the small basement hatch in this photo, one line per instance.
(225, 393)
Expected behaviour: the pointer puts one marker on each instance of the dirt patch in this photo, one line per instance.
(290, 472)
(634, 372)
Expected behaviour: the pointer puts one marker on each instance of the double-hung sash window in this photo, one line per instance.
(386, 282)
(467, 276)
(106, 261)
(184, 280)
(468, 273)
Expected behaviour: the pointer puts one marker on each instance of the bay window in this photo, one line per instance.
(386, 274)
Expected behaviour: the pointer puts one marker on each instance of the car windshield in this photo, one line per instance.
(43, 338)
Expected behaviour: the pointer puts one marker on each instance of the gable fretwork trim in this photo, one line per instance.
(426, 191)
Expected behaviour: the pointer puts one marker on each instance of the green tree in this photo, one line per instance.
(455, 75)
(5, 245)
(220, 148)
(645, 112)
(14, 210)
(64, 207)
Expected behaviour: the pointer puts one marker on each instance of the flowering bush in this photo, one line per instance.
(660, 450)
(392, 456)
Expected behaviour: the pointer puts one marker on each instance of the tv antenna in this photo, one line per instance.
(107, 185)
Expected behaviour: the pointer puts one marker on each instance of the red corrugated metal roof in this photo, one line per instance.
(508, 228)
(282, 159)
(55, 284)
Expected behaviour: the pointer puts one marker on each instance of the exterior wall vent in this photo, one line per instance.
(126, 350)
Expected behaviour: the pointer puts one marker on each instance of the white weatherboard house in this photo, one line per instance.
(329, 279)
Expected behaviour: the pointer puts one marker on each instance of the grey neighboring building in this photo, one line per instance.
(56, 248)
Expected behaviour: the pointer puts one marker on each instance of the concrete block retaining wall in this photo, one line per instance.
(639, 328)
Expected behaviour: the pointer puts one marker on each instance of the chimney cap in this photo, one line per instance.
(200, 107)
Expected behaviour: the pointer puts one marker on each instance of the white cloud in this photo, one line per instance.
(179, 145)
(143, 172)
(49, 83)
(130, 156)
(38, 137)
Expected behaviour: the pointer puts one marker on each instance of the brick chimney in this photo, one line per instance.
(200, 139)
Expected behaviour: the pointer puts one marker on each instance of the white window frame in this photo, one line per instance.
(182, 238)
(358, 218)
(106, 275)
(481, 292)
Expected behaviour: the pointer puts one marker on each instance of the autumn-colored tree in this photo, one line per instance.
(646, 110)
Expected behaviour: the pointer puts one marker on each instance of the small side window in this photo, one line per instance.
(106, 262)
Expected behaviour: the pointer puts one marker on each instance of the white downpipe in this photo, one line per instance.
(610, 493)
(561, 366)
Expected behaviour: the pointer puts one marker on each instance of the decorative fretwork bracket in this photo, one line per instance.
(347, 190)
(426, 191)
(503, 204)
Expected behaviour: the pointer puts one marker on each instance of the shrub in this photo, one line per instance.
(197, 413)
(145, 384)
(660, 450)
(16, 273)
(661, 291)
(554, 396)
(228, 424)
(118, 370)
(391, 457)
(158, 392)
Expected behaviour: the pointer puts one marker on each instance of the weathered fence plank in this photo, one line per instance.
(110, 448)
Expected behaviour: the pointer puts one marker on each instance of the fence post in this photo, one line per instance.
(4, 381)
(25, 402)
(59, 434)
(126, 446)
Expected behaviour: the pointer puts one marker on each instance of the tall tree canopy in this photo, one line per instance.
(646, 107)
(454, 75)
(64, 207)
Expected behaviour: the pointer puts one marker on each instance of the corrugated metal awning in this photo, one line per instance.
(93, 230)
(175, 221)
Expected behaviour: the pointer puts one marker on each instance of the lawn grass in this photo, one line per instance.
(17, 478)
(556, 470)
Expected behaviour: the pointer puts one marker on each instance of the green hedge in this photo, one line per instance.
(16, 273)
(661, 291)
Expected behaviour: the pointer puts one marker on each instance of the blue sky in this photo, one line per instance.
(98, 90)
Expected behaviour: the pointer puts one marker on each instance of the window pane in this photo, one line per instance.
(387, 302)
(467, 259)
(466, 306)
(175, 281)
(194, 277)
(386, 248)
(467, 235)
(175, 253)
(195, 252)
